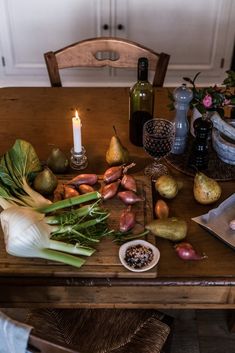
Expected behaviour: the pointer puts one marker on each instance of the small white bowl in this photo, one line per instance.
(122, 252)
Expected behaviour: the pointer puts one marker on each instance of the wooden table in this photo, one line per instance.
(42, 116)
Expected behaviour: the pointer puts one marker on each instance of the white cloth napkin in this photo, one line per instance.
(217, 220)
(13, 335)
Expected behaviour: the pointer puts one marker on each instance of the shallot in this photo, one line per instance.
(58, 192)
(69, 192)
(127, 220)
(112, 174)
(161, 209)
(129, 183)
(186, 252)
(84, 188)
(110, 190)
(129, 197)
(89, 179)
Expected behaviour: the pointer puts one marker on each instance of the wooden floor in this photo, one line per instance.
(200, 331)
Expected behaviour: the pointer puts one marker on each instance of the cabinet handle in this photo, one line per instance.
(105, 26)
(120, 27)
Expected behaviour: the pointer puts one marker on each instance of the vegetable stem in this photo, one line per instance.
(72, 201)
(72, 249)
(72, 217)
(67, 259)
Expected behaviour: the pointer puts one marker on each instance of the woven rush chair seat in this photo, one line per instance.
(101, 330)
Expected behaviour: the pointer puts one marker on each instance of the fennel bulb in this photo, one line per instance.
(26, 234)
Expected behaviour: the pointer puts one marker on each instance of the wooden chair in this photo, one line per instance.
(98, 330)
(86, 54)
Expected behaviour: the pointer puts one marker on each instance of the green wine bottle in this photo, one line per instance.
(141, 103)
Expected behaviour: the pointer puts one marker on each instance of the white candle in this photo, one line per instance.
(77, 140)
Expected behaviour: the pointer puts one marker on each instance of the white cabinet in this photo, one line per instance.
(30, 28)
(198, 35)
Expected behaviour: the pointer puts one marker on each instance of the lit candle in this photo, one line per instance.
(77, 140)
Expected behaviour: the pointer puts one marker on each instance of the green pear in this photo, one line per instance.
(57, 161)
(116, 154)
(206, 190)
(45, 182)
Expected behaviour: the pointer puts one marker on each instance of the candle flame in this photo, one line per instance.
(76, 114)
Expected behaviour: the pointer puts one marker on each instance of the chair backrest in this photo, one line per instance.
(86, 53)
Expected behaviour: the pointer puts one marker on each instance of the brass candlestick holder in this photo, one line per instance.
(78, 160)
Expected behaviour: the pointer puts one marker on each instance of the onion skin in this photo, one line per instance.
(85, 188)
(127, 220)
(112, 174)
(110, 190)
(161, 209)
(89, 179)
(129, 183)
(129, 197)
(186, 252)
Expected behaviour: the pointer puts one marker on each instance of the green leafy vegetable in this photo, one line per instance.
(18, 168)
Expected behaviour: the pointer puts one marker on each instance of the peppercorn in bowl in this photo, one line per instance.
(139, 255)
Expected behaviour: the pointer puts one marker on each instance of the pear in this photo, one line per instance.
(116, 154)
(45, 182)
(167, 186)
(206, 190)
(57, 161)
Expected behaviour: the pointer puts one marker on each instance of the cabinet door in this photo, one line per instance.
(199, 35)
(31, 28)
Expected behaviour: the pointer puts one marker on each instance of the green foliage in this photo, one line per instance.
(229, 81)
(209, 98)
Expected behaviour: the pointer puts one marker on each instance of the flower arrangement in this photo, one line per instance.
(211, 98)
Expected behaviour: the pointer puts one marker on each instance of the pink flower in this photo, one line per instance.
(207, 101)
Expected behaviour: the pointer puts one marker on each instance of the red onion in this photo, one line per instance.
(127, 220)
(129, 197)
(186, 252)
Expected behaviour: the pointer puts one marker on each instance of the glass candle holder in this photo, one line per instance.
(78, 160)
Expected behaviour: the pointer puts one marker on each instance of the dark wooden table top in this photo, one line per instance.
(42, 116)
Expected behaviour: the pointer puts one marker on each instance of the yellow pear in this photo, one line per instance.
(116, 154)
(206, 190)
